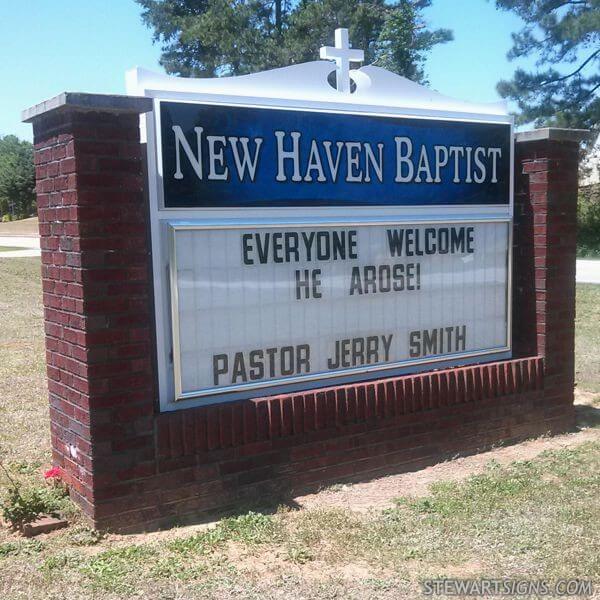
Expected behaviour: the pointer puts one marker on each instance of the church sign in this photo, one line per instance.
(311, 236)
(223, 156)
(308, 281)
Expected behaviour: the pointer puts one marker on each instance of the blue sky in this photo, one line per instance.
(51, 46)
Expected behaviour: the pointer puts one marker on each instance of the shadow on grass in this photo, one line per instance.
(587, 416)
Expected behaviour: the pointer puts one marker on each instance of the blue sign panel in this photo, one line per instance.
(227, 156)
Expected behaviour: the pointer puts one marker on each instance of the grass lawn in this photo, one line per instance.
(587, 337)
(9, 248)
(534, 519)
(24, 424)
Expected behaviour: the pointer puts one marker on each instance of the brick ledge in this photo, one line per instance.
(199, 430)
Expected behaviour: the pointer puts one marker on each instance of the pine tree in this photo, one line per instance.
(208, 38)
(556, 31)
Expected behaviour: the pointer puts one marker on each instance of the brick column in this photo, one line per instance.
(96, 289)
(546, 168)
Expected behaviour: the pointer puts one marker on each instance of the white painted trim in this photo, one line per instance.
(305, 86)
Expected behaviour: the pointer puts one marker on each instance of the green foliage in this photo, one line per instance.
(21, 548)
(588, 225)
(300, 555)
(251, 528)
(556, 31)
(60, 561)
(199, 544)
(404, 42)
(25, 467)
(503, 488)
(108, 569)
(21, 505)
(8, 549)
(487, 491)
(17, 178)
(84, 536)
(184, 559)
(207, 38)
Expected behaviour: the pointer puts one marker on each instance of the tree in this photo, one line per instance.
(556, 31)
(208, 38)
(17, 177)
(404, 41)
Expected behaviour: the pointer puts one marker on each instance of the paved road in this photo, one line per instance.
(30, 246)
(20, 241)
(588, 271)
(25, 253)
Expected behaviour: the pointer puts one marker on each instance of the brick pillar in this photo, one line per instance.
(546, 168)
(96, 289)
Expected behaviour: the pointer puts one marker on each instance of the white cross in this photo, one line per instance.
(343, 56)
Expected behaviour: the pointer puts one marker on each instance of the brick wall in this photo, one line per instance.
(96, 292)
(264, 450)
(132, 468)
(544, 254)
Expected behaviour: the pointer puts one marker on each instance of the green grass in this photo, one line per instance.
(9, 248)
(539, 518)
(542, 515)
(185, 559)
(24, 425)
(587, 338)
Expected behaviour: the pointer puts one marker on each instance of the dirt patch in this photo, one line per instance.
(267, 565)
(380, 493)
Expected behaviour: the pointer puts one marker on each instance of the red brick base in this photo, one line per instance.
(132, 468)
(262, 452)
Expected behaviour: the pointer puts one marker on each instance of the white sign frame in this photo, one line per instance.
(305, 88)
(381, 369)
